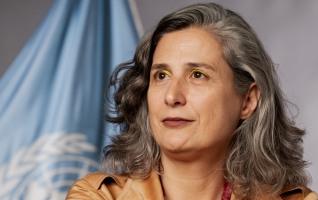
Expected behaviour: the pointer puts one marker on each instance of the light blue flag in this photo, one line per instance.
(51, 98)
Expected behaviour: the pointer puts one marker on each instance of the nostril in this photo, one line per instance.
(175, 100)
(175, 94)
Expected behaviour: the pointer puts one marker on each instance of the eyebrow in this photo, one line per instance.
(203, 65)
(159, 66)
(190, 64)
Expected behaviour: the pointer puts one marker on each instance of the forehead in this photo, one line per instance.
(192, 33)
(189, 45)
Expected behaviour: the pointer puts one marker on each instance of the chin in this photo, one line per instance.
(178, 151)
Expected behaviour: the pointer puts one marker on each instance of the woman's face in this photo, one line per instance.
(193, 106)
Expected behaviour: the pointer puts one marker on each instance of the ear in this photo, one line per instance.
(250, 101)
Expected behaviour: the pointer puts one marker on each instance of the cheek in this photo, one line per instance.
(153, 107)
(219, 110)
(151, 99)
(154, 99)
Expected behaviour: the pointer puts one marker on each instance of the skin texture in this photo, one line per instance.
(190, 80)
(193, 110)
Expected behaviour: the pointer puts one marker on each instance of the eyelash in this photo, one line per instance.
(161, 72)
(196, 72)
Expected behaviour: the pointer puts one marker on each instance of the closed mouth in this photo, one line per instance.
(176, 122)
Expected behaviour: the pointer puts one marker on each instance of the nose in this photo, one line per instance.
(175, 95)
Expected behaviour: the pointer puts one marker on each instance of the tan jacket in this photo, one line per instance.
(101, 186)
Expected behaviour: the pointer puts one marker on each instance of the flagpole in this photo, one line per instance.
(136, 17)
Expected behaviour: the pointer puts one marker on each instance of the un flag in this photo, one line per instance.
(51, 98)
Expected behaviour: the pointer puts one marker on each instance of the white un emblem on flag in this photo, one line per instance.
(47, 168)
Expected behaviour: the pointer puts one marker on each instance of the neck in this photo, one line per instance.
(199, 179)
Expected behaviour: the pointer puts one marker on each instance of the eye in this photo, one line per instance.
(197, 74)
(161, 75)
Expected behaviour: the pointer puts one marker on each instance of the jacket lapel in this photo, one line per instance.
(149, 188)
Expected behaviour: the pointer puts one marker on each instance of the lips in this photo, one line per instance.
(176, 122)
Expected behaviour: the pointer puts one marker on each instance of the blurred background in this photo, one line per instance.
(287, 28)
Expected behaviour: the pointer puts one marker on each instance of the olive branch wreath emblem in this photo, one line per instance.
(58, 145)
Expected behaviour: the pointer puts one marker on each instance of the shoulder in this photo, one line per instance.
(97, 186)
(298, 193)
(288, 193)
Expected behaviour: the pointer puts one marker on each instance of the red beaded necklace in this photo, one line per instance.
(226, 192)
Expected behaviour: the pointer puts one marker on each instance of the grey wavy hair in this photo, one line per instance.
(266, 149)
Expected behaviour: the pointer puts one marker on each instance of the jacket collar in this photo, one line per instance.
(288, 193)
(150, 188)
(300, 192)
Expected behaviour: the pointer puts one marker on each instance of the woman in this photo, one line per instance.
(201, 117)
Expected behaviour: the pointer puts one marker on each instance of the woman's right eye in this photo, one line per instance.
(161, 75)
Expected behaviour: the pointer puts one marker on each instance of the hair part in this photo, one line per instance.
(266, 149)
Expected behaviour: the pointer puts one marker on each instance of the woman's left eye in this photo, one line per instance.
(197, 74)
